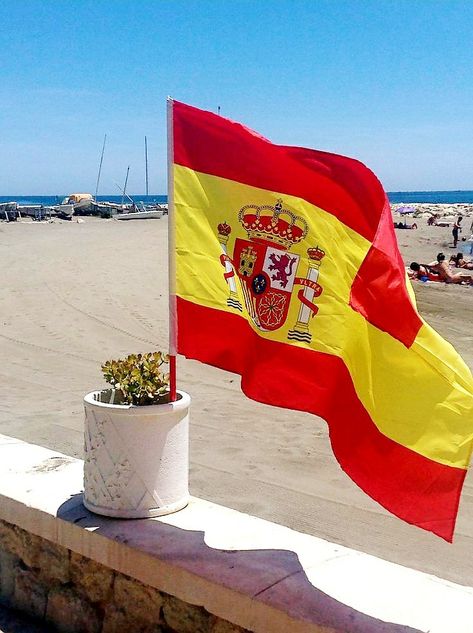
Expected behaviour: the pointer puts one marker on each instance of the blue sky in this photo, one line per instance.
(388, 82)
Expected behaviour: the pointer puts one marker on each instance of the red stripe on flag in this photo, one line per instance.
(379, 290)
(208, 143)
(411, 486)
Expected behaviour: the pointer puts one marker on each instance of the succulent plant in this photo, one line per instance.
(139, 378)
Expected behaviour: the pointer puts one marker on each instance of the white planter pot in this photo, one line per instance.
(136, 460)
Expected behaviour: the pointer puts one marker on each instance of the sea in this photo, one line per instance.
(432, 197)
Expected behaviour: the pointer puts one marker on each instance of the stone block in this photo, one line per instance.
(223, 626)
(184, 617)
(9, 564)
(91, 578)
(11, 538)
(30, 595)
(50, 559)
(31, 546)
(71, 613)
(143, 603)
(118, 620)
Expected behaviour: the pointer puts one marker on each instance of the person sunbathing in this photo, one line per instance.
(458, 261)
(422, 272)
(444, 272)
(404, 225)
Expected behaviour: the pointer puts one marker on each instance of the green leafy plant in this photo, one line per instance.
(139, 378)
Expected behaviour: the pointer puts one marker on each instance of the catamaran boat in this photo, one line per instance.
(143, 213)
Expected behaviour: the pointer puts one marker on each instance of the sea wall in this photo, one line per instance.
(204, 569)
(74, 593)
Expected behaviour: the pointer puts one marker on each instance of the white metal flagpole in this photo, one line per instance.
(171, 256)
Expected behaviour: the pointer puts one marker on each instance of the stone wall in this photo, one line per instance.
(78, 595)
(204, 569)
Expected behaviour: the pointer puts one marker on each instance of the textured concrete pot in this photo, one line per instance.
(136, 460)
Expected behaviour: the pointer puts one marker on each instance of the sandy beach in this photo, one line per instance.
(76, 294)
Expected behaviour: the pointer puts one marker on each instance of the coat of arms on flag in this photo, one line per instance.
(267, 269)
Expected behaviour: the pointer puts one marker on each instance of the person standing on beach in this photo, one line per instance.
(456, 230)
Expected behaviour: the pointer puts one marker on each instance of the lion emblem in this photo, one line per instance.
(283, 264)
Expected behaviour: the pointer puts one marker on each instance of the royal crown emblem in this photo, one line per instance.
(272, 224)
(267, 271)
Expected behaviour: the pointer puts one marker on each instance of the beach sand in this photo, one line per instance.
(75, 294)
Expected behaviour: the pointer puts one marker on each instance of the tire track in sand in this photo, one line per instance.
(98, 320)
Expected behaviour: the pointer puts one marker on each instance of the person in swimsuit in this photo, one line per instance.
(458, 261)
(423, 272)
(444, 271)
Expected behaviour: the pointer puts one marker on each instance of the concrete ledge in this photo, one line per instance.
(249, 572)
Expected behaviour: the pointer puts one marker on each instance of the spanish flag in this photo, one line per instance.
(288, 273)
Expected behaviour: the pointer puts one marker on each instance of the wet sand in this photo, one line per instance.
(75, 294)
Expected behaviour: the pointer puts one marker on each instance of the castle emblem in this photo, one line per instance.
(267, 271)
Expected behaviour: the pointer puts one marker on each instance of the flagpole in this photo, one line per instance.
(171, 257)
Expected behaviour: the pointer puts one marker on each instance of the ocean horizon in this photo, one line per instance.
(396, 197)
(52, 200)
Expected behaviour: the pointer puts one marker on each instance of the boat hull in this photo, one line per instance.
(140, 215)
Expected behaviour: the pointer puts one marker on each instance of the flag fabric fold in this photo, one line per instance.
(288, 273)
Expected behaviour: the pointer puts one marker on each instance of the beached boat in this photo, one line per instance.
(76, 203)
(64, 210)
(82, 202)
(108, 209)
(143, 214)
(8, 211)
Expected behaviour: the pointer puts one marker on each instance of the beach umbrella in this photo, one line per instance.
(406, 209)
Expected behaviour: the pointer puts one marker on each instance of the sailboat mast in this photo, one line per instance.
(146, 162)
(124, 186)
(100, 167)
